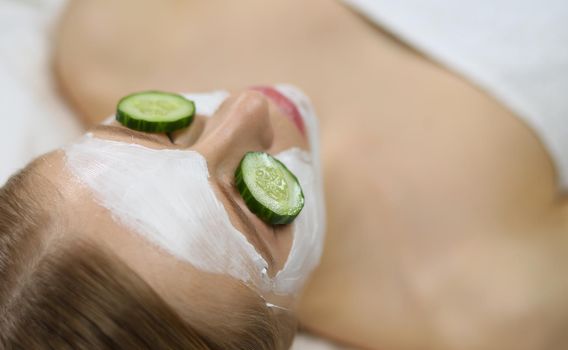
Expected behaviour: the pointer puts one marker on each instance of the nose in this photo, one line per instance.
(242, 124)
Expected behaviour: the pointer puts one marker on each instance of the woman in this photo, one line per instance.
(446, 222)
(132, 240)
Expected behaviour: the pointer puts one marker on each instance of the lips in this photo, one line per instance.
(285, 104)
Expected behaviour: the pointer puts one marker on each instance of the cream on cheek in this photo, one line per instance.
(308, 228)
(165, 196)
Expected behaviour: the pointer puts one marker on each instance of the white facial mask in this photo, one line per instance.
(166, 197)
(309, 226)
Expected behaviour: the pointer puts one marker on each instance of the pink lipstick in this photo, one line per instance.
(285, 104)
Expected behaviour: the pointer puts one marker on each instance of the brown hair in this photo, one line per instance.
(55, 295)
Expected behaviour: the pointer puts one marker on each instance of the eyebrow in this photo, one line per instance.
(249, 225)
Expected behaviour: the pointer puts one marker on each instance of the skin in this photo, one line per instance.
(446, 227)
(246, 121)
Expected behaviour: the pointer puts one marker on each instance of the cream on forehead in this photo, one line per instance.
(166, 197)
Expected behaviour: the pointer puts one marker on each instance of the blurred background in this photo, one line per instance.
(35, 117)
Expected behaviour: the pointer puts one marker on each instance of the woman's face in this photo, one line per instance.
(168, 206)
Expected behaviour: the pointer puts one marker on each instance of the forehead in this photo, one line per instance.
(218, 250)
(166, 197)
(182, 285)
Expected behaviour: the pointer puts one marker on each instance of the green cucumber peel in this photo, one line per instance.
(268, 188)
(155, 111)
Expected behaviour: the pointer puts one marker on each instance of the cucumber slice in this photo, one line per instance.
(155, 111)
(268, 188)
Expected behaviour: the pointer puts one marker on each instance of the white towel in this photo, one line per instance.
(516, 50)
